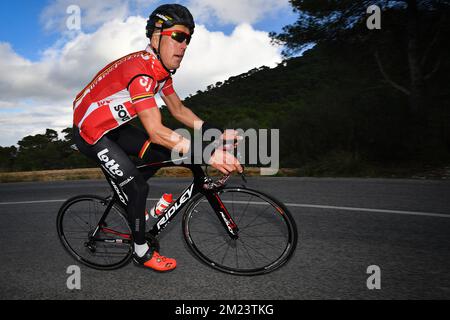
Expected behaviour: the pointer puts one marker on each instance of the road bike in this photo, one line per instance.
(236, 230)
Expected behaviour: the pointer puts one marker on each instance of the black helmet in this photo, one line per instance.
(168, 15)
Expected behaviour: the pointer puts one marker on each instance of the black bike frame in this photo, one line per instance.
(196, 187)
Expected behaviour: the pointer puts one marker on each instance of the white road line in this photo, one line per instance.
(30, 202)
(414, 213)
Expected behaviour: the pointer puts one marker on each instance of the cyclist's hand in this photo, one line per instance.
(225, 162)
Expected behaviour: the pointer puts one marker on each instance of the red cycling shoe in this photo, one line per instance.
(155, 261)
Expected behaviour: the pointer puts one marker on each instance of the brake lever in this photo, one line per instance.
(209, 185)
(222, 181)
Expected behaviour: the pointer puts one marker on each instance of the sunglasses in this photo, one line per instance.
(178, 36)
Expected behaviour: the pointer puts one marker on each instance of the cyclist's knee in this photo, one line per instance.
(142, 185)
(136, 187)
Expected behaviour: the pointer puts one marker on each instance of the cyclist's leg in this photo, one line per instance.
(108, 154)
(133, 184)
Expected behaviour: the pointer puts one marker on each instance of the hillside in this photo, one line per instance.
(335, 112)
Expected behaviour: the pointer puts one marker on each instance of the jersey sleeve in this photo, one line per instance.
(167, 89)
(142, 92)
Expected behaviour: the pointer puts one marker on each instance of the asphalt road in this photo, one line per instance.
(345, 226)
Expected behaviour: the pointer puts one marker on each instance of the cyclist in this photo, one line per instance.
(125, 89)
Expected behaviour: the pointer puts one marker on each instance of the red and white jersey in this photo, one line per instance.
(118, 92)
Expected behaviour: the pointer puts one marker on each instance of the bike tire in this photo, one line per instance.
(206, 222)
(82, 254)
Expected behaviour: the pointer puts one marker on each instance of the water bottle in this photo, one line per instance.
(159, 208)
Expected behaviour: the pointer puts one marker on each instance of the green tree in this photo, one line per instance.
(417, 28)
(7, 158)
(39, 152)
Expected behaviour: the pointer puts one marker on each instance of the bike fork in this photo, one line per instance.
(223, 215)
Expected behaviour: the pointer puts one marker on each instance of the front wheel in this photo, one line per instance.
(267, 235)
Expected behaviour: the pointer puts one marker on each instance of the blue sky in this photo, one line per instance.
(24, 32)
(43, 66)
(28, 38)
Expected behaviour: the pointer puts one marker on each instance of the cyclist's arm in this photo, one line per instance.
(182, 113)
(142, 90)
(189, 118)
(159, 134)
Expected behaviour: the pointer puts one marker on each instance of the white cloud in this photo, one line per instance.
(93, 13)
(39, 95)
(234, 11)
(30, 119)
(214, 56)
(22, 78)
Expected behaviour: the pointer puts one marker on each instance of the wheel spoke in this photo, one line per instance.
(226, 252)
(270, 244)
(245, 210)
(248, 254)
(259, 253)
(215, 248)
(256, 217)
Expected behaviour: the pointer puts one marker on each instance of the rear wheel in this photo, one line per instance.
(267, 235)
(77, 221)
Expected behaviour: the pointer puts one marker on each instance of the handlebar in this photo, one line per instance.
(219, 183)
(210, 184)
